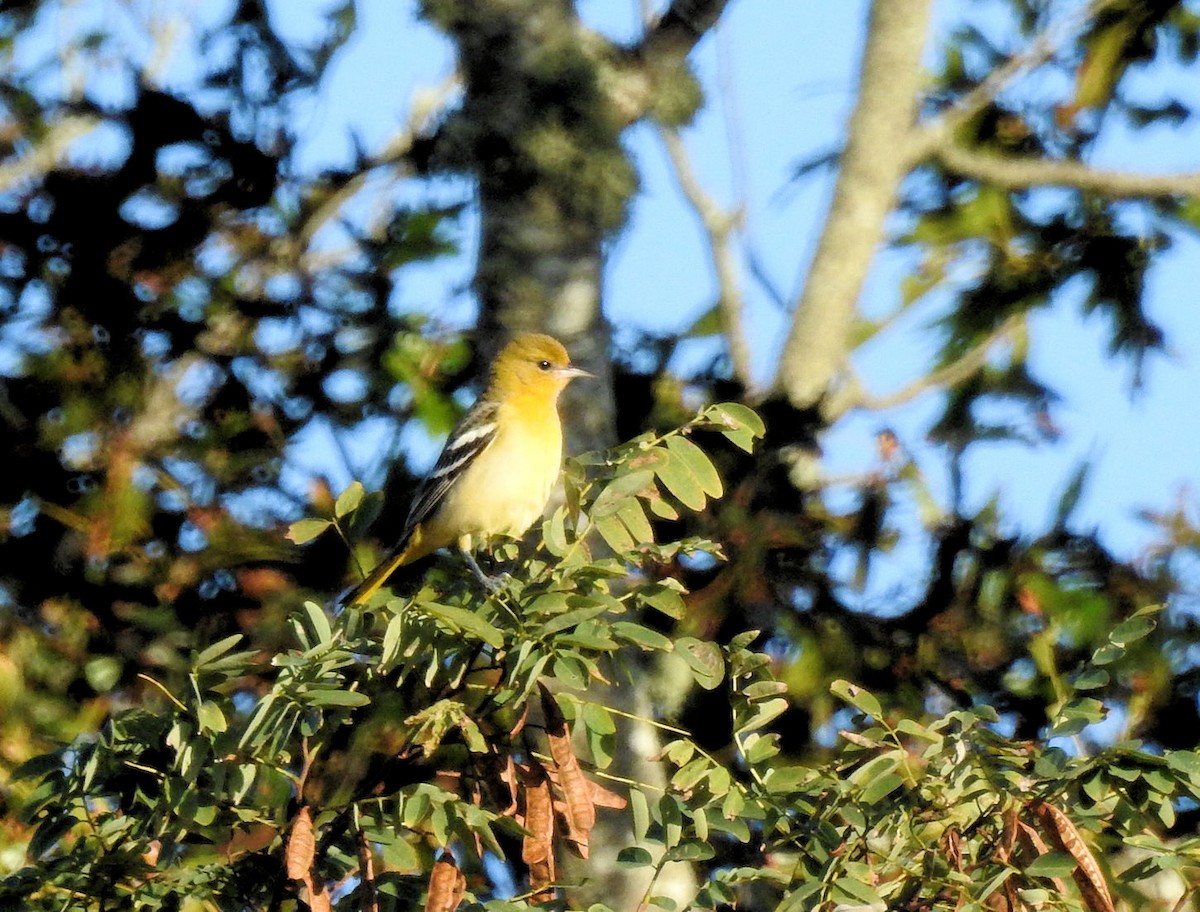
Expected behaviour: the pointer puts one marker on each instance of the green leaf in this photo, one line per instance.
(859, 893)
(1071, 494)
(663, 598)
(876, 767)
(916, 730)
(1090, 679)
(634, 857)
(39, 766)
(548, 604)
(764, 713)
(881, 787)
(709, 323)
(670, 812)
(349, 499)
(316, 625)
(862, 700)
(571, 619)
(102, 673)
(704, 659)
(614, 533)
(678, 478)
(758, 747)
(392, 643)
(719, 781)
(1052, 864)
(303, 531)
(698, 463)
(210, 717)
(626, 486)
(639, 809)
(464, 621)
(597, 718)
(590, 635)
(1076, 716)
(641, 636)
(324, 697)
(1132, 629)
(785, 779)
(690, 774)
(740, 425)
(554, 533)
(760, 690)
(634, 518)
(216, 650)
(690, 850)
(1186, 761)
(665, 903)
(571, 671)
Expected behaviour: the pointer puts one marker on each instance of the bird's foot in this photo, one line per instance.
(490, 583)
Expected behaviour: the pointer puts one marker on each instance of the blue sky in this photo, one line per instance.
(781, 78)
(790, 69)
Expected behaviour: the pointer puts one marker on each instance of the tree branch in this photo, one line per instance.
(930, 136)
(1023, 172)
(963, 368)
(719, 226)
(872, 165)
(425, 105)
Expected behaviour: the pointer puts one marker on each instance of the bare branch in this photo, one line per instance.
(425, 105)
(1043, 47)
(1023, 172)
(719, 226)
(366, 869)
(966, 366)
(872, 164)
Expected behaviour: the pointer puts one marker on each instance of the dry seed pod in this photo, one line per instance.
(446, 885)
(1088, 876)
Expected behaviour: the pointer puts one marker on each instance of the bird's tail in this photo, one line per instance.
(361, 594)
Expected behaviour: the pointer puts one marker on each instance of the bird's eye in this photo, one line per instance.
(544, 365)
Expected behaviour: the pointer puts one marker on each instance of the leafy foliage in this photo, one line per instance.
(1012, 728)
(410, 745)
(168, 337)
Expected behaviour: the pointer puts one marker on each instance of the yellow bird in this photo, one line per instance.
(498, 467)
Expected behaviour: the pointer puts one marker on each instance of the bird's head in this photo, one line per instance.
(533, 361)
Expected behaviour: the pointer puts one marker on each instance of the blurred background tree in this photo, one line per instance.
(201, 335)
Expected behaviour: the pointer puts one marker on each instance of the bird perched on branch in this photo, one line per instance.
(498, 467)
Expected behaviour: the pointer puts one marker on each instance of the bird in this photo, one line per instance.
(498, 467)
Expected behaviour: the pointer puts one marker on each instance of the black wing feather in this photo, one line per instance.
(470, 437)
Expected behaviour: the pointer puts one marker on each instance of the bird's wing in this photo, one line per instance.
(473, 434)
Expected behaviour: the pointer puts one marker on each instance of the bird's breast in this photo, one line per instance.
(514, 476)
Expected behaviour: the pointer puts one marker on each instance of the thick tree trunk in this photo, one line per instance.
(874, 161)
(544, 107)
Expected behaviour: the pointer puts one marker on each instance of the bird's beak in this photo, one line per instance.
(566, 374)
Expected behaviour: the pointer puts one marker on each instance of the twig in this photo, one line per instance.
(719, 226)
(967, 365)
(928, 138)
(424, 106)
(366, 867)
(1022, 172)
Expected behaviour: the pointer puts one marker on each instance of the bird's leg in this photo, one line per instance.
(492, 585)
